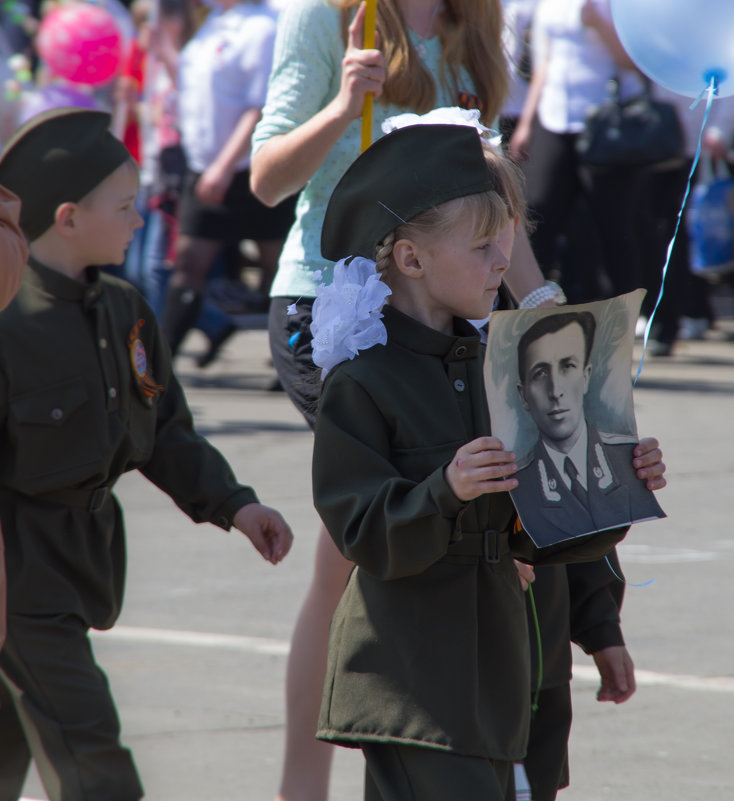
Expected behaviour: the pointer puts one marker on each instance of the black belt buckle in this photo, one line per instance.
(491, 546)
(99, 496)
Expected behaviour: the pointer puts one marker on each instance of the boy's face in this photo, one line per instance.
(107, 217)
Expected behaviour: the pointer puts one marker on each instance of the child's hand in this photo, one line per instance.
(266, 529)
(526, 574)
(481, 466)
(648, 463)
(617, 673)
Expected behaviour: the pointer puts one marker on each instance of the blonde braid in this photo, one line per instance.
(384, 252)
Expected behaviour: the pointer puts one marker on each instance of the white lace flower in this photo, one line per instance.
(346, 315)
(448, 115)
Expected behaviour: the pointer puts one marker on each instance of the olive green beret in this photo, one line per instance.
(402, 174)
(58, 157)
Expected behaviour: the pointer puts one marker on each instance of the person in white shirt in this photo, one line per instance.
(518, 15)
(576, 52)
(223, 76)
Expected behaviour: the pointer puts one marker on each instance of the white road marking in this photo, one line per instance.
(274, 647)
(660, 555)
(713, 684)
(197, 639)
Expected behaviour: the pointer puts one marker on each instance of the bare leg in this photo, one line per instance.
(307, 761)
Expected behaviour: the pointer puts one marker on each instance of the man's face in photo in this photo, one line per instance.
(554, 385)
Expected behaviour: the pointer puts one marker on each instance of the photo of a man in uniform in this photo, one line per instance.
(576, 479)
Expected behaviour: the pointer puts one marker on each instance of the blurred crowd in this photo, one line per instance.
(596, 232)
(158, 94)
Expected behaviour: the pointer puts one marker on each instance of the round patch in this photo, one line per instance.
(139, 357)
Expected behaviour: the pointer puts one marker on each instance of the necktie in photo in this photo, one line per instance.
(576, 487)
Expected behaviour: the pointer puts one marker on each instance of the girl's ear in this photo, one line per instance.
(65, 219)
(406, 253)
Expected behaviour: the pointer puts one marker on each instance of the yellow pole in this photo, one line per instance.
(370, 18)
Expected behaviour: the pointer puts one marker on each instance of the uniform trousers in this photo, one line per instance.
(56, 707)
(409, 773)
(546, 763)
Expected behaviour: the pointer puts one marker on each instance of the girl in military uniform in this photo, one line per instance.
(86, 394)
(428, 668)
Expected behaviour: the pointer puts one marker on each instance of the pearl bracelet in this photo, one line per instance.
(549, 291)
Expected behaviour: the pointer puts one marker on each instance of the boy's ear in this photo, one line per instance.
(65, 219)
(405, 254)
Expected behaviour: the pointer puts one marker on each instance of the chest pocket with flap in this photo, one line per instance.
(53, 436)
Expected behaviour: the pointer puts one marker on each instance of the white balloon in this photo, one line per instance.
(680, 44)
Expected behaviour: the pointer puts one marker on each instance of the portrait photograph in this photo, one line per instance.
(559, 389)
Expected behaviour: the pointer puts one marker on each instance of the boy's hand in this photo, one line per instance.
(481, 466)
(266, 529)
(648, 463)
(617, 674)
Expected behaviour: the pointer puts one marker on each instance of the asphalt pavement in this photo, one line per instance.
(197, 660)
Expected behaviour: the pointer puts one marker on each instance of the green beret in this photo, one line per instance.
(402, 174)
(58, 157)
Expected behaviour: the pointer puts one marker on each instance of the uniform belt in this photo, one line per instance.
(91, 499)
(489, 544)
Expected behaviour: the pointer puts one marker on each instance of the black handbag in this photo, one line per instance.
(637, 132)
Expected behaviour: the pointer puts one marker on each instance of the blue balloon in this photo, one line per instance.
(680, 44)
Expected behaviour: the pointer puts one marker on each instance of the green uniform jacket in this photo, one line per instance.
(429, 644)
(86, 394)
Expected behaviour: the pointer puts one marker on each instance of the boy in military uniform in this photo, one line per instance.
(86, 394)
(576, 479)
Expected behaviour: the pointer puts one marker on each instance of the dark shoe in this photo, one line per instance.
(215, 345)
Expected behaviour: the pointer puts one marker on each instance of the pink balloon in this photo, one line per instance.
(81, 43)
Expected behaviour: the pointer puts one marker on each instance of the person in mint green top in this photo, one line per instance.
(430, 53)
(310, 43)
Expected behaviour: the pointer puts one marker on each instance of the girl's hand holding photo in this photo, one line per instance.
(480, 466)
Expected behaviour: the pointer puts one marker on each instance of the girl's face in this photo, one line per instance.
(460, 274)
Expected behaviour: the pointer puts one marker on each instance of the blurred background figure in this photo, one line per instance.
(575, 52)
(222, 79)
(517, 40)
(687, 308)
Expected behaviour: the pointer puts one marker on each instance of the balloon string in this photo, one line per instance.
(624, 581)
(711, 91)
